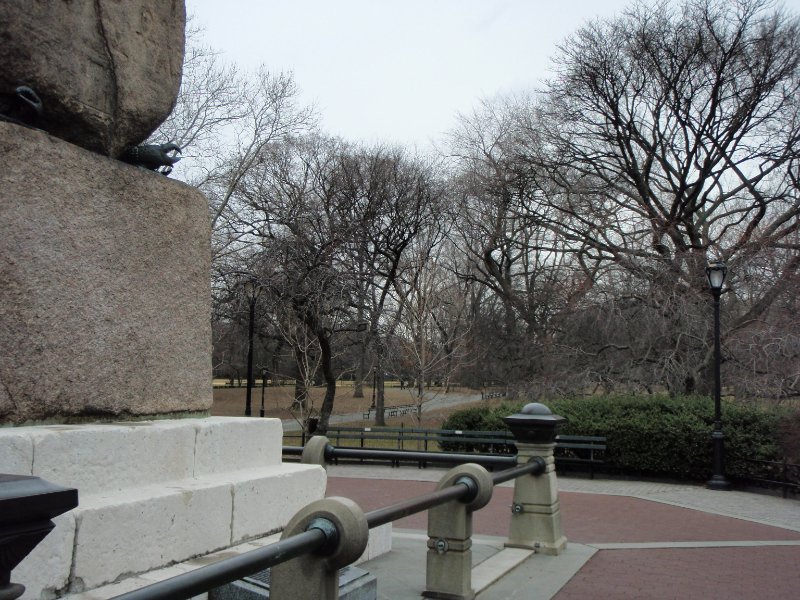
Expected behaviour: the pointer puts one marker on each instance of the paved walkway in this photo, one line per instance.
(433, 401)
(628, 539)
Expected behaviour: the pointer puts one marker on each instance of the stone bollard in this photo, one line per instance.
(535, 513)
(315, 451)
(317, 575)
(449, 561)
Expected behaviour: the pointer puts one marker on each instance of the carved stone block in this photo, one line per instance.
(105, 299)
(107, 72)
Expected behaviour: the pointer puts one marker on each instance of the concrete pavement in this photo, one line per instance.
(627, 539)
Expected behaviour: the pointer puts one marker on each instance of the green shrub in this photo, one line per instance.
(653, 435)
(473, 419)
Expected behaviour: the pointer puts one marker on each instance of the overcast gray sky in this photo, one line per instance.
(398, 70)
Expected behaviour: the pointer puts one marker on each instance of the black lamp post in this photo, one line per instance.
(716, 278)
(251, 289)
(374, 386)
(264, 374)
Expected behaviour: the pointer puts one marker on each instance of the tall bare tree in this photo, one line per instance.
(671, 136)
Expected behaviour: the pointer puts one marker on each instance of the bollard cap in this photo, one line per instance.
(534, 424)
(24, 499)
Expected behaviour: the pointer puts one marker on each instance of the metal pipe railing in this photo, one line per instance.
(188, 585)
(381, 516)
(535, 466)
(446, 458)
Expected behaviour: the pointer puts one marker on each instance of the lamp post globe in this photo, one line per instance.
(716, 273)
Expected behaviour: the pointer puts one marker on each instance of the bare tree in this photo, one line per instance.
(668, 137)
(433, 327)
(394, 196)
(224, 120)
(532, 271)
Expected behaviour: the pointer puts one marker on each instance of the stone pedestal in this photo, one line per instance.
(105, 299)
(536, 516)
(354, 584)
(449, 559)
(153, 493)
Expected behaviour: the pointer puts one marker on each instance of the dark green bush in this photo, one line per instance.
(473, 419)
(654, 435)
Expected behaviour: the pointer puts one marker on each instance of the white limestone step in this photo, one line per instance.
(153, 494)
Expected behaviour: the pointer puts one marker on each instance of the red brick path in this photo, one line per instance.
(586, 518)
(763, 572)
(686, 573)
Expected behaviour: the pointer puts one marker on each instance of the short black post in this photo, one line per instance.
(264, 375)
(248, 410)
(27, 505)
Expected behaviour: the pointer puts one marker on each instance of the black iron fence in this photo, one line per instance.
(452, 446)
(770, 474)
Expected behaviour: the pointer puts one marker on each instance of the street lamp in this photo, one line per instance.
(264, 374)
(374, 386)
(716, 279)
(251, 289)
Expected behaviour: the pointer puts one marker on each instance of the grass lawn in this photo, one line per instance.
(230, 402)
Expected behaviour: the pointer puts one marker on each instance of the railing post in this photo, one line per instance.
(314, 452)
(317, 575)
(535, 513)
(449, 562)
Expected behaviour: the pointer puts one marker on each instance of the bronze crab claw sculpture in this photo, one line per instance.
(156, 157)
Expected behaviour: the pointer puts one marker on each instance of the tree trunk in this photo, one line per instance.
(380, 420)
(380, 402)
(358, 384)
(330, 382)
(300, 388)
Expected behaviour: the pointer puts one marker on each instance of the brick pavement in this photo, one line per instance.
(646, 547)
(707, 573)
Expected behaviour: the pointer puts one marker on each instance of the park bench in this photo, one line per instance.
(392, 411)
(580, 450)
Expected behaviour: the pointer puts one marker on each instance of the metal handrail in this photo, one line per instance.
(485, 460)
(444, 458)
(381, 516)
(188, 585)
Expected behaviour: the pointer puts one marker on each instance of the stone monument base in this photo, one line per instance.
(154, 493)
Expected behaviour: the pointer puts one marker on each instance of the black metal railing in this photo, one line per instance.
(320, 535)
(429, 439)
(769, 474)
(496, 448)
(334, 453)
(203, 579)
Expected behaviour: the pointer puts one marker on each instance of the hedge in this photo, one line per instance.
(652, 435)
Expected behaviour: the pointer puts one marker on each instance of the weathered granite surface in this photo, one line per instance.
(107, 72)
(104, 286)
